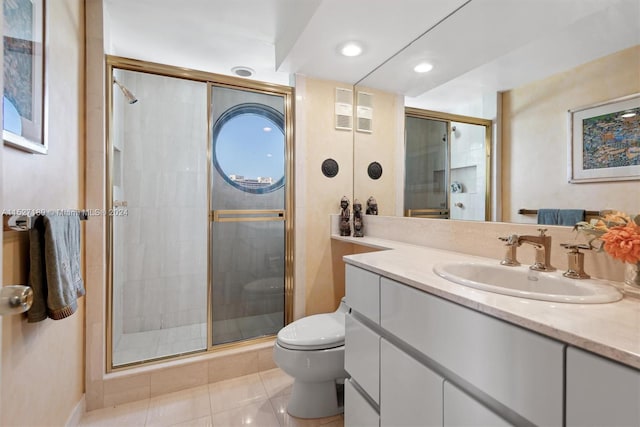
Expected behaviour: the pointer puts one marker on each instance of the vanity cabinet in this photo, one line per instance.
(362, 356)
(411, 393)
(362, 348)
(358, 412)
(437, 358)
(601, 392)
(517, 368)
(462, 410)
(362, 291)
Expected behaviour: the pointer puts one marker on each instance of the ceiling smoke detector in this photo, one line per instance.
(243, 71)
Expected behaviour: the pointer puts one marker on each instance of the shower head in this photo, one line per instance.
(126, 92)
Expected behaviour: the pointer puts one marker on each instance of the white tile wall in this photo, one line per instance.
(160, 271)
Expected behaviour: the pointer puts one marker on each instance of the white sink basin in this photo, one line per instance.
(525, 283)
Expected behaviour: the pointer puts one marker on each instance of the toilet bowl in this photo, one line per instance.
(311, 350)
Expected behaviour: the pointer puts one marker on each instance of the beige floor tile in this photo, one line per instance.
(179, 407)
(258, 414)
(276, 382)
(129, 414)
(279, 404)
(198, 422)
(237, 392)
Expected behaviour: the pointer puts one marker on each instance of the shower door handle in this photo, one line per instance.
(247, 215)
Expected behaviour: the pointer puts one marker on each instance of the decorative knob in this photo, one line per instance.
(15, 299)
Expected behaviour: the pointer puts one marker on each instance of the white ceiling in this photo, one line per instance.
(476, 46)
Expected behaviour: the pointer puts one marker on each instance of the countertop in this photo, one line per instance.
(611, 330)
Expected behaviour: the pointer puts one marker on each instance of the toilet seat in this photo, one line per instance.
(316, 332)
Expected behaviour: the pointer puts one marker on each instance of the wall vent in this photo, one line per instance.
(364, 112)
(344, 109)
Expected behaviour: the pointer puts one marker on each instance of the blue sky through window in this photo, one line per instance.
(252, 146)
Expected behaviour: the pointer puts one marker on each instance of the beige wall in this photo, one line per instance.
(43, 363)
(534, 144)
(318, 196)
(380, 146)
(319, 265)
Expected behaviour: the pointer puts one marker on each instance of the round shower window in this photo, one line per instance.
(249, 147)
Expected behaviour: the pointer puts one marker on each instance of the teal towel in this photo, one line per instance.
(548, 216)
(568, 217)
(54, 271)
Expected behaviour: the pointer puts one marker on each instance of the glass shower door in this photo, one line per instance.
(158, 165)
(426, 168)
(248, 204)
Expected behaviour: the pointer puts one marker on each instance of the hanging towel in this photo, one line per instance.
(570, 216)
(548, 216)
(54, 272)
(560, 216)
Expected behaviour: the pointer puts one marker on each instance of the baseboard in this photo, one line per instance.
(77, 413)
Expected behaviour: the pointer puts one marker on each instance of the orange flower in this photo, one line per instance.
(623, 242)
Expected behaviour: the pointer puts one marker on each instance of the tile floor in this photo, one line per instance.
(257, 399)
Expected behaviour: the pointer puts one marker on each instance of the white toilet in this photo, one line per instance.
(311, 350)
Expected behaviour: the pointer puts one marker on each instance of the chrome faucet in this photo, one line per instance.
(541, 242)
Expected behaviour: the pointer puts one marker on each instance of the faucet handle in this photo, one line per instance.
(575, 248)
(512, 243)
(542, 231)
(511, 240)
(575, 260)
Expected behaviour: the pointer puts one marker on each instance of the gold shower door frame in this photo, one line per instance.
(286, 215)
(488, 137)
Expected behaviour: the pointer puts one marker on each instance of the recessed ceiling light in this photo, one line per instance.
(423, 67)
(351, 49)
(266, 129)
(628, 115)
(242, 71)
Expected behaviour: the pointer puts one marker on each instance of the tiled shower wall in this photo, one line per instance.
(160, 170)
(468, 167)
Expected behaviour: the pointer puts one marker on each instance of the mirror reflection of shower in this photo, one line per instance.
(131, 98)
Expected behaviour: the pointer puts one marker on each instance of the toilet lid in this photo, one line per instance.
(320, 331)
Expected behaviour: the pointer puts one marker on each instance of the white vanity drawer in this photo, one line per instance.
(357, 411)
(462, 410)
(601, 392)
(410, 393)
(520, 369)
(362, 356)
(363, 292)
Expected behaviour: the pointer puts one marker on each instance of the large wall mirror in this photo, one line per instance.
(522, 66)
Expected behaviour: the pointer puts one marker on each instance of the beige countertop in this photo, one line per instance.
(611, 330)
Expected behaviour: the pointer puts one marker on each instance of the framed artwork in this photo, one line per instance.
(24, 88)
(604, 141)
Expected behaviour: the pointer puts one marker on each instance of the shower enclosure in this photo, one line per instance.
(447, 166)
(199, 171)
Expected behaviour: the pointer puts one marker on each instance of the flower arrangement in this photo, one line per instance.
(618, 233)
